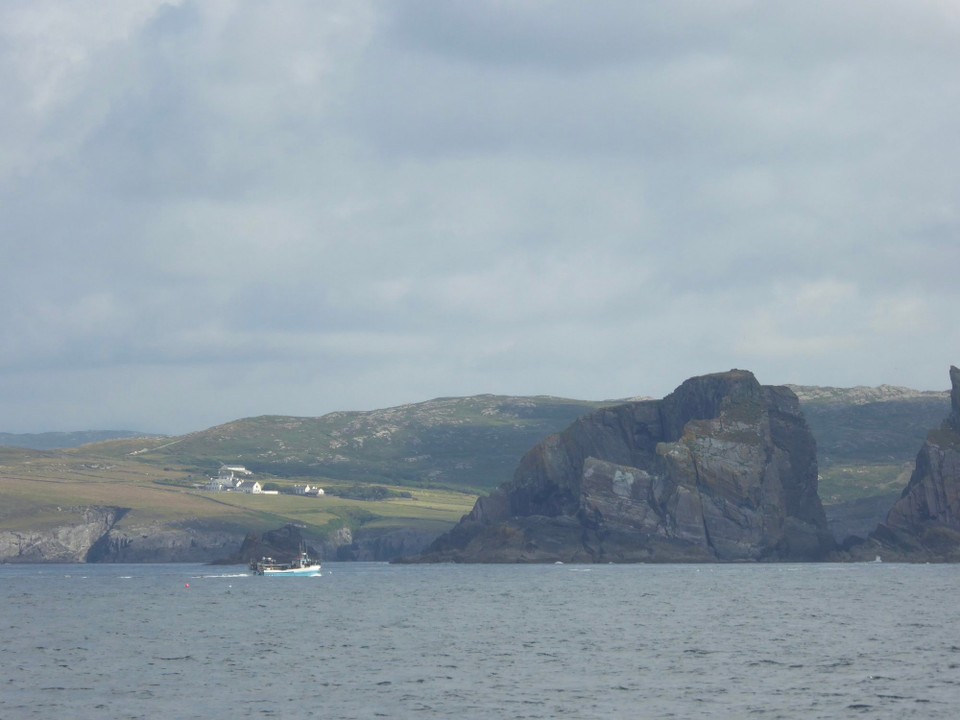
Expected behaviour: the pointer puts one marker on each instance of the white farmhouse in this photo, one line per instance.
(248, 486)
(308, 490)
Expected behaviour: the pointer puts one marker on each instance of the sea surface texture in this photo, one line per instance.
(365, 640)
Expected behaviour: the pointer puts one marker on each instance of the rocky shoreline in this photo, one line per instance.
(93, 537)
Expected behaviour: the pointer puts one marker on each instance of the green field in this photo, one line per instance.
(41, 490)
(842, 483)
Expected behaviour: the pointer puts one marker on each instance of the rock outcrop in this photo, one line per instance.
(722, 469)
(283, 544)
(147, 542)
(924, 524)
(67, 541)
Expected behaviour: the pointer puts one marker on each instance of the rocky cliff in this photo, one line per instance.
(95, 534)
(722, 469)
(924, 524)
(153, 542)
(67, 541)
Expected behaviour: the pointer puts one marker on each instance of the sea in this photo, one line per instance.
(370, 640)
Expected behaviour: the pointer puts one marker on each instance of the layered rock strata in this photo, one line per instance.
(67, 541)
(722, 469)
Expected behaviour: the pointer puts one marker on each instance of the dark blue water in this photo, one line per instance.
(447, 641)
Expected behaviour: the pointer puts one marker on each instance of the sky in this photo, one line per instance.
(221, 209)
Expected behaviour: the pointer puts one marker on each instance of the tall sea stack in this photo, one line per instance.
(722, 469)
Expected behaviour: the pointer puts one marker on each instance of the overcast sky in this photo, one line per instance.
(212, 210)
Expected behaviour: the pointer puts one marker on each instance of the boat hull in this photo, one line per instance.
(308, 571)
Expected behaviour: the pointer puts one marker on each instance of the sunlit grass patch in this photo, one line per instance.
(850, 482)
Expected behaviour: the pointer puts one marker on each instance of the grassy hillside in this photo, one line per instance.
(467, 444)
(868, 438)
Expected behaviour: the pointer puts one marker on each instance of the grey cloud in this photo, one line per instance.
(236, 209)
(565, 38)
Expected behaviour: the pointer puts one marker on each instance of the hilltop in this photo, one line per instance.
(862, 425)
(63, 440)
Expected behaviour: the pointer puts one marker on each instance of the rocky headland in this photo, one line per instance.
(722, 469)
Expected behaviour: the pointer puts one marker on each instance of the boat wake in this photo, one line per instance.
(225, 575)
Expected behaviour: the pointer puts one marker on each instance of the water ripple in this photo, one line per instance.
(371, 640)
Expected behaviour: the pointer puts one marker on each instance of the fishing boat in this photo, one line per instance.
(301, 566)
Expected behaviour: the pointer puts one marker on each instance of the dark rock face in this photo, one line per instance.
(924, 524)
(722, 469)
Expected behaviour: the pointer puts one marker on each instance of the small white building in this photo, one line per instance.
(248, 486)
(308, 490)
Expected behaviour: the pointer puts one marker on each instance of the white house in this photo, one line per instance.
(308, 490)
(248, 486)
